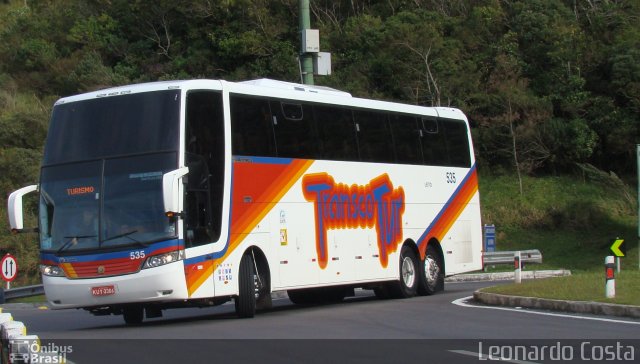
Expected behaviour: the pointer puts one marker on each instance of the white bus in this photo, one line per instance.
(193, 193)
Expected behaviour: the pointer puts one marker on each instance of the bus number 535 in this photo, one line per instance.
(137, 255)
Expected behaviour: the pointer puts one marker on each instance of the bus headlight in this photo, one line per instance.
(51, 270)
(162, 259)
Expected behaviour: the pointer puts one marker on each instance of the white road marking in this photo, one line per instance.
(481, 356)
(460, 302)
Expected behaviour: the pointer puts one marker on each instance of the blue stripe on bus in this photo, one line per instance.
(446, 205)
(261, 160)
(198, 259)
(114, 255)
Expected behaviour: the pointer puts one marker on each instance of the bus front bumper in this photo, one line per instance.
(164, 283)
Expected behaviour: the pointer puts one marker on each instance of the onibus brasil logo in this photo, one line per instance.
(339, 206)
(32, 351)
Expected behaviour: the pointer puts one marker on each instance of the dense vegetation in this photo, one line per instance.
(552, 87)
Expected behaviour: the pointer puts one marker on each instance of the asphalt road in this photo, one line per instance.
(440, 328)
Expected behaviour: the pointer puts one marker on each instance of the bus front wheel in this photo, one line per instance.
(246, 301)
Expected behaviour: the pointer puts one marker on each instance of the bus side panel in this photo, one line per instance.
(258, 184)
(359, 234)
(462, 246)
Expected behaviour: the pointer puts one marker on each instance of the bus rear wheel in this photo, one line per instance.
(408, 284)
(432, 272)
(246, 301)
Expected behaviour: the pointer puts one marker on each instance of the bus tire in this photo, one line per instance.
(407, 286)
(246, 301)
(133, 315)
(431, 272)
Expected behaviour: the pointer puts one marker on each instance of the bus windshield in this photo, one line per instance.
(101, 180)
(113, 126)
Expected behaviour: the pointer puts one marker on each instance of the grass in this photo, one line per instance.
(573, 222)
(583, 286)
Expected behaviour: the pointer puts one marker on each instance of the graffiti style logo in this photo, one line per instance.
(339, 206)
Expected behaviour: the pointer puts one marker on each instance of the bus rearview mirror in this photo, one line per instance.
(171, 189)
(16, 216)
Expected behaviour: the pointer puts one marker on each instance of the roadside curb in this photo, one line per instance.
(505, 276)
(594, 308)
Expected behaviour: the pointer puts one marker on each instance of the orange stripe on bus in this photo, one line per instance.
(198, 274)
(247, 214)
(451, 214)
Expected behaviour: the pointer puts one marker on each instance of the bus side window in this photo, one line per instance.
(198, 200)
(457, 142)
(336, 132)
(205, 158)
(251, 123)
(434, 148)
(294, 129)
(406, 139)
(374, 136)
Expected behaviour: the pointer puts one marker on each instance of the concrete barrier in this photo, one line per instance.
(594, 308)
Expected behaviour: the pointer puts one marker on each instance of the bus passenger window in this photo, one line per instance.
(434, 148)
(252, 128)
(374, 136)
(406, 139)
(294, 130)
(336, 132)
(457, 142)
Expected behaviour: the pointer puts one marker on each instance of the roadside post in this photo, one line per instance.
(518, 267)
(610, 279)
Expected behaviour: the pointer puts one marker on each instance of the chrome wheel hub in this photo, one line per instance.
(408, 272)
(431, 271)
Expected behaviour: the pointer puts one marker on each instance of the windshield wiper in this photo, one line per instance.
(128, 236)
(73, 240)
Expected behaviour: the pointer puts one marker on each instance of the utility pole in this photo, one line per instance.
(306, 58)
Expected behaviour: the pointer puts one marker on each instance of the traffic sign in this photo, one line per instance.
(9, 267)
(489, 238)
(617, 248)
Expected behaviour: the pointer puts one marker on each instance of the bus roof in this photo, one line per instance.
(323, 90)
(272, 88)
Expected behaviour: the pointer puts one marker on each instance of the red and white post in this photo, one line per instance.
(610, 279)
(517, 264)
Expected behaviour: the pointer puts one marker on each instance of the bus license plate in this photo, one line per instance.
(103, 290)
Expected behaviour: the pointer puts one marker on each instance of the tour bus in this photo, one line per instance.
(194, 193)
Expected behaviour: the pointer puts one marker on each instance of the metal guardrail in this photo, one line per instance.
(506, 257)
(21, 292)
